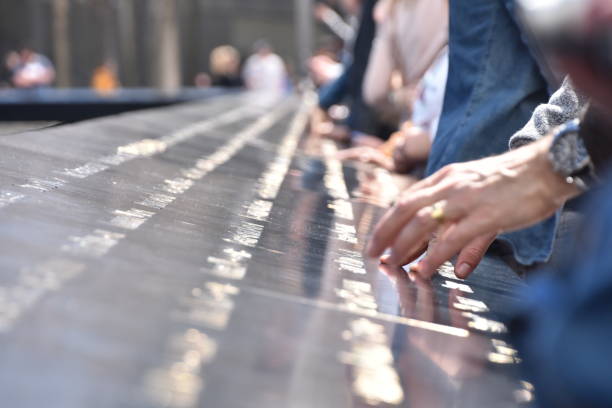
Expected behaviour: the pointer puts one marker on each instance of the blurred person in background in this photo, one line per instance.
(408, 149)
(409, 57)
(345, 29)
(32, 71)
(10, 63)
(362, 125)
(410, 37)
(265, 71)
(105, 79)
(225, 67)
(202, 80)
(326, 64)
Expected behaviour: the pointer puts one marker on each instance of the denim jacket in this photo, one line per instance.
(493, 88)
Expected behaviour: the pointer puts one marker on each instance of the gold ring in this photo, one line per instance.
(437, 212)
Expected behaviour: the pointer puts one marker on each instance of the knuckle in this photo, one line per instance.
(402, 202)
(404, 205)
(446, 169)
(452, 168)
(422, 218)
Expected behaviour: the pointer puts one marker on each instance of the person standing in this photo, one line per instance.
(33, 70)
(265, 71)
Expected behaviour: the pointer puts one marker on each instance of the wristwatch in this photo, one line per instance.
(570, 158)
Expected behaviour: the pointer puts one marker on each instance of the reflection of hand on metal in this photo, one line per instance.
(418, 301)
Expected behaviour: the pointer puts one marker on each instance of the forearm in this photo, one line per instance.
(377, 81)
(334, 92)
(336, 24)
(554, 186)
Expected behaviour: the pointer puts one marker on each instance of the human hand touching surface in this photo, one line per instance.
(477, 201)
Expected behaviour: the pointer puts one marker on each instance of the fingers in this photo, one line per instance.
(349, 154)
(472, 254)
(410, 256)
(414, 235)
(395, 220)
(450, 242)
(422, 194)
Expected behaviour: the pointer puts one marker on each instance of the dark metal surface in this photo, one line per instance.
(201, 256)
(9, 128)
(76, 104)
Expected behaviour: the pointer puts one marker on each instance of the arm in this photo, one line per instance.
(377, 81)
(334, 92)
(335, 23)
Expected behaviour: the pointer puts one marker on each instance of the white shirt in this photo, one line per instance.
(427, 109)
(266, 73)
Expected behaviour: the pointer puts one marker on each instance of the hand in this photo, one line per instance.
(366, 154)
(412, 149)
(478, 199)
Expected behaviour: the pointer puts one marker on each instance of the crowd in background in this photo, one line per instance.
(26, 69)
(263, 71)
(503, 108)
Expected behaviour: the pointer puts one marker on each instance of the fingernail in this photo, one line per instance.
(463, 271)
(384, 259)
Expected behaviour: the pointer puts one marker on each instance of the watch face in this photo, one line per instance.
(568, 154)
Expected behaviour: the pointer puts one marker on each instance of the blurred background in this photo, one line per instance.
(150, 43)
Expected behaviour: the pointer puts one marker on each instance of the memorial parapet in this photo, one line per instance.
(205, 255)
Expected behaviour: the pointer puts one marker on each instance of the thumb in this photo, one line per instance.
(471, 255)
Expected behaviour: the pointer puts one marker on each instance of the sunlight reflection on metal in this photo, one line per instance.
(483, 324)
(144, 148)
(32, 284)
(376, 380)
(96, 244)
(178, 384)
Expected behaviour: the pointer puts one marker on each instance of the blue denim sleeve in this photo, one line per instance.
(564, 327)
(494, 85)
(334, 92)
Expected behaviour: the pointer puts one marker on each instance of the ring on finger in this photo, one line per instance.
(438, 213)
